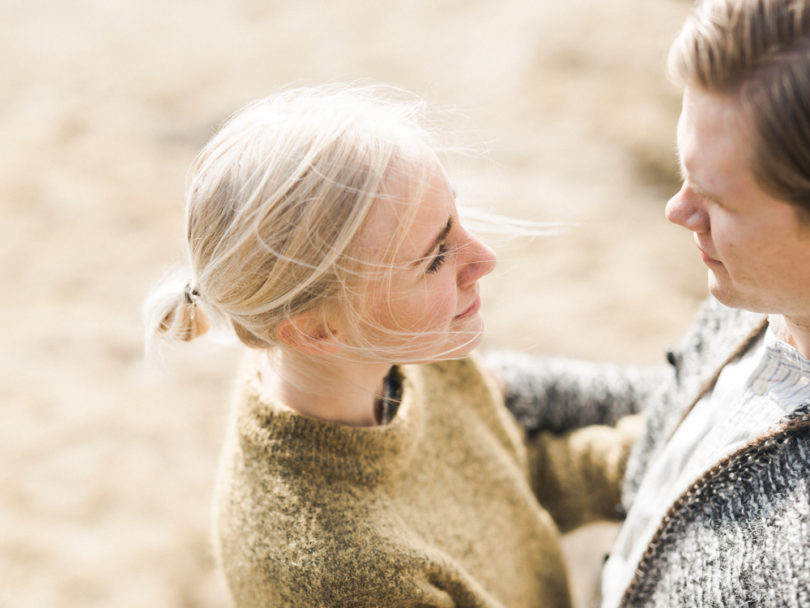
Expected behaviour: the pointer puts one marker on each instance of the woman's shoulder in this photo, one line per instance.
(467, 371)
(331, 557)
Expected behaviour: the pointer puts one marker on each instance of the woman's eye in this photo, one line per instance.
(437, 261)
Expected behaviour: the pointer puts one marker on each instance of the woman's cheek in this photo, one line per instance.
(442, 306)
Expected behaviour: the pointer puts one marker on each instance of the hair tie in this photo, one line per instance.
(191, 294)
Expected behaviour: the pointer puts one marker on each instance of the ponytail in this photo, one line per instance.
(174, 311)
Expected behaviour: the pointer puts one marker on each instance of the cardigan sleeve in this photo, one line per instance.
(557, 394)
(577, 476)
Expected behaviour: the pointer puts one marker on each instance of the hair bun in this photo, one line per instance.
(186, 320)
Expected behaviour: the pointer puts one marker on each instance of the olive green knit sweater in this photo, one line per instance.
(433, 509)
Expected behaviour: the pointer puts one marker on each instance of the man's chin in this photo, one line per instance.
(732, 298)
(723, 293)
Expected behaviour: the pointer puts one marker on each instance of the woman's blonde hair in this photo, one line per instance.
(275, 202)
(757, 51)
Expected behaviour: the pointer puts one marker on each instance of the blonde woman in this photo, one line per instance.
(370, 460)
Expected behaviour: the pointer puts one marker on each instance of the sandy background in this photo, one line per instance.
(106, 466)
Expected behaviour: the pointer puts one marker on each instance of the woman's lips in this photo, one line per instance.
(471, 310)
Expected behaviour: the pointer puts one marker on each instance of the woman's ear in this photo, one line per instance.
(309, 332)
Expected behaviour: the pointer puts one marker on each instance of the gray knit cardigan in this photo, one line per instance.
(740, 534)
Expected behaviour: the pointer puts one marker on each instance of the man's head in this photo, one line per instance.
(757, 51)
(744, 147)
(755, 246)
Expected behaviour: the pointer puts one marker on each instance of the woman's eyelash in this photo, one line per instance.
(437, 261)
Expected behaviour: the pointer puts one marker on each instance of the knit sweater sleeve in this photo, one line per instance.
(284, 542)
(577, 475)
(344, 572)
(558, 394)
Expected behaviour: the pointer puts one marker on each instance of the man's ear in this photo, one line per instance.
(309, 332)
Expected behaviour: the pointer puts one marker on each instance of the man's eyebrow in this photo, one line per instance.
(693, 183)
(697, 187)
(439, 238)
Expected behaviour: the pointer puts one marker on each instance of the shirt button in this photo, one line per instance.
(760, 386)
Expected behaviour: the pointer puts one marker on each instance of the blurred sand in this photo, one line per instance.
(106, 466)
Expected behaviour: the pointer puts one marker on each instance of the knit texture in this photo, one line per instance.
(433, 509)
(740, 534)
(557, 394)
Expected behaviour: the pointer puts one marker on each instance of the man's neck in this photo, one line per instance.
(796, 332)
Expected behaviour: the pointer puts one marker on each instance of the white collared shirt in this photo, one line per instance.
(751, 395)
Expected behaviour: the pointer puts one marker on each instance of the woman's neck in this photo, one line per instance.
(326, 388)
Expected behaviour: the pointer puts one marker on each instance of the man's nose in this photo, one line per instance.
(686, 209)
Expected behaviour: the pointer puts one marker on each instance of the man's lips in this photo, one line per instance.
(707, 259)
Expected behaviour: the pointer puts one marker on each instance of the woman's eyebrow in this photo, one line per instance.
(439, 238)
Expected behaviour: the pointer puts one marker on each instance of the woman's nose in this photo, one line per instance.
(686, 209)
(479, 261)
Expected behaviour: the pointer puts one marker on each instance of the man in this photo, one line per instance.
(717, 489)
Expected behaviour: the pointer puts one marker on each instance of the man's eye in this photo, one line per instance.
(437, 261)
